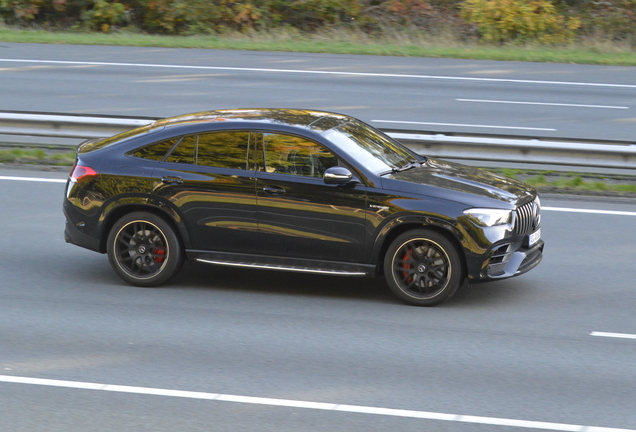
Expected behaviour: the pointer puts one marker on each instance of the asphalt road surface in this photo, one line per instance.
(225, 350)
(443, 95)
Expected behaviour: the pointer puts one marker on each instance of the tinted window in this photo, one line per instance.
(288, 154)
(184, 153)
(155, 151)
(114, 139)
(223, 149)
(374, 150)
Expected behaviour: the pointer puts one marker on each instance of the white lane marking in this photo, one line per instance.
(614, 335)
(575, 210)
(33, 179)
(543, 103)
(299, 71)
(463, 125)
(558, 209)
(494, 421)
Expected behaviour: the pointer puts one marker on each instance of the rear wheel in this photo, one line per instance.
(143, 249)
(423, 268)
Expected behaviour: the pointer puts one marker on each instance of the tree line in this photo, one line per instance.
(494, 21)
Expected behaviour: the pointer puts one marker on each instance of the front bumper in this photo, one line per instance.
(505, 264)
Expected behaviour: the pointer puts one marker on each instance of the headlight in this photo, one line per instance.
(489, 217)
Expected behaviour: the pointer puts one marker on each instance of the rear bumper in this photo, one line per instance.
(74, 235)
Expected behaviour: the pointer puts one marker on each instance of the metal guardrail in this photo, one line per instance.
(522, 150)
(580, 153)
(66, 125)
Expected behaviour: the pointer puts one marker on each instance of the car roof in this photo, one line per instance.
(318, 121)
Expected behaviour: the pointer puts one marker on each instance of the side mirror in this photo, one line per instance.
(337, 176)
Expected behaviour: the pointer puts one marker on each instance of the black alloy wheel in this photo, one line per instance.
(423, 268)
(143, 249)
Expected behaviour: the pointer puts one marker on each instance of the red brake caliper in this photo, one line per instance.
(162, 253)
(406, 266)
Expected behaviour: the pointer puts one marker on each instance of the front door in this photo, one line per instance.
(299, 216)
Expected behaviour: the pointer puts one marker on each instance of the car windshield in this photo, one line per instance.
(372, 149)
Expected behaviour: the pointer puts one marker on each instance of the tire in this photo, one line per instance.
(144, 249)
(423, 268)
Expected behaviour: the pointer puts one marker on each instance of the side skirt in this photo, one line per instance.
(281, 263)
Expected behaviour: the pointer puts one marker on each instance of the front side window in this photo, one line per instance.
(289, 154)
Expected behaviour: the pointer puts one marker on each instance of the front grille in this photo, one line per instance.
(528, 217)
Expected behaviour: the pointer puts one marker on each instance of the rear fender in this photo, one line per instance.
(115, 209)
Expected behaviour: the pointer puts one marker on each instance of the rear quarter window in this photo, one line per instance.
(155, 151)
(91, 146)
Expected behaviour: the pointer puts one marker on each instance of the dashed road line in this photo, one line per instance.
(590, 211)
(614, 335)
(543, 103)
(464, 125)
(33, 179)
(320, 72)
(357, 409)
(557, 209)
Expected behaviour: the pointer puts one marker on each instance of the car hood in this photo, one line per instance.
(437, 175)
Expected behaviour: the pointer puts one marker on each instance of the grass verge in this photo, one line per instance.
(564, 182)
(544, 181)
(37, 156)
(339, 41)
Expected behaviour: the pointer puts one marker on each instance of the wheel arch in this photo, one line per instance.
(400, 226)
(166, 213)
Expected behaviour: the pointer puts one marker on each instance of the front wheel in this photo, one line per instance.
(423, 268)
(143, 249)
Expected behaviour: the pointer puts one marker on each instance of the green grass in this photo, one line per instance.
(578, 183)
(510, 172)
(626, 188)
(36, 156)
(343, 41)
(568, 181)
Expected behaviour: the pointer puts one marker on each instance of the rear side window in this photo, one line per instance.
(223, 150)
(155, 151)
(96, 145)
(214, 149)
(185, 151)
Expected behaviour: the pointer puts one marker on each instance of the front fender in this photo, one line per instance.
(397, 225)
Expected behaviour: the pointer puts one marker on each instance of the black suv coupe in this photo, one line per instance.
(301, 191)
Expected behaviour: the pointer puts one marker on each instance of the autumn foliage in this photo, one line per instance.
(520, 20)
(493, 21)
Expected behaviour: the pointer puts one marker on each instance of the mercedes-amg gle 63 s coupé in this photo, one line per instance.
(301, 191)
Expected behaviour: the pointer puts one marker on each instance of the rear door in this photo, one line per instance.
(210, 179)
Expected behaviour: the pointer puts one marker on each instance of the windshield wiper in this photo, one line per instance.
(408, 166)
(413, 164)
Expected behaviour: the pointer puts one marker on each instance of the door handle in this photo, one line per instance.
(171, 180)
(274, 190)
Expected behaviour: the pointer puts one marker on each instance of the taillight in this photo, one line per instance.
(81, 174)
